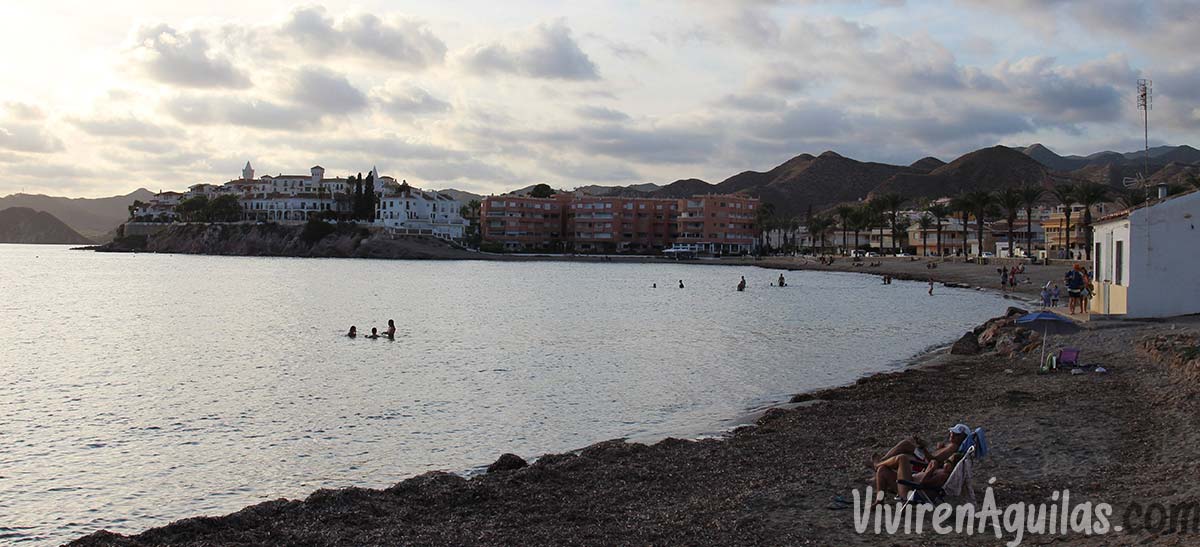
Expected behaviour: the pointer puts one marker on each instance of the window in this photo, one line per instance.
(1118, 256)
(1096, 265)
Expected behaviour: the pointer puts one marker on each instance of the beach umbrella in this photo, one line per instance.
(1050, 323)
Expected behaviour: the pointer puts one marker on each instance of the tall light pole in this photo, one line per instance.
(1145, 102)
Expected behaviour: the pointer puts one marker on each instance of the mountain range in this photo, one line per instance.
(94, 218)
(829, 179)
(25, 225)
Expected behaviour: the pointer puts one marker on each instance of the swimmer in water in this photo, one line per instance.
(374, 333)
(391, 330)
(353, 332)
(681, 283)
(782, 283)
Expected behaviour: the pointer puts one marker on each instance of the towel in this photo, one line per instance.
(958, 484)
(978, 440)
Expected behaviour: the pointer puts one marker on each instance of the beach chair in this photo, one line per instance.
(1068, 357)
(934, 495)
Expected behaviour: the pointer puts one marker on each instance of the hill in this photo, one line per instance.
(25, 225)
(461, 195)
(94, 218)
(985, 169)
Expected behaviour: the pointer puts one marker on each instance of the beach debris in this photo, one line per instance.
(507, 462)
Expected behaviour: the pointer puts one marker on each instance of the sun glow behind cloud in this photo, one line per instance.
(102, 99)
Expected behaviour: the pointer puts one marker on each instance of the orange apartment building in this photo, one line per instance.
(718, 224)
(525, 223)
(616, 224)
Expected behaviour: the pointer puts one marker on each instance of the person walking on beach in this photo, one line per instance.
(1075, 282)
(1004, 279)
(931, 285)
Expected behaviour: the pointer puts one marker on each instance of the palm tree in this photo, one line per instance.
(1030, 195)
(1010, 200)
(889, 203)
(764, 217)
(1065, 195)
(818, 227)
(843, 213)
(925, 222)
(962, 205)
(1089, 195)
(982, 203)
(860, 218)
(940, 213)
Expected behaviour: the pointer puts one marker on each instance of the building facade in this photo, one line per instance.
(580, 223)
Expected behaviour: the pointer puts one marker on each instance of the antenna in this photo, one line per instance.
(1145, 103)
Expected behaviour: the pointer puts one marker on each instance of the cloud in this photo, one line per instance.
(124, 127)
(601, 113)
(326, 92)
(548, 50)
(752, 102)
(409, 101)
(401, 41)
(184, 59)
(28, 137)
(234, 110)
(24, 111)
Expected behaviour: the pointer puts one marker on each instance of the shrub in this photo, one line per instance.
(316, 230)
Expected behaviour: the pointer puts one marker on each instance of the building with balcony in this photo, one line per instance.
(522, 223)
(716, 224)
(620, 224)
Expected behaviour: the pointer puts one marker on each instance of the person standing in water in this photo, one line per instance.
(681, 283)
(353, 332)
(742, 284)
(931, 285)
(782, 283)
(391, 330)
(374, 333)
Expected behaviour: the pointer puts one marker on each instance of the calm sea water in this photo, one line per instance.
(140, 389)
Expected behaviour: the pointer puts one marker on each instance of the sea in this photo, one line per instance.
(139, 389)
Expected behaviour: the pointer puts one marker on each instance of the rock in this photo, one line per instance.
(967, 345)
(1012, 310)
(507, 462)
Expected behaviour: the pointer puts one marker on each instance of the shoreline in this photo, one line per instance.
(771, 483)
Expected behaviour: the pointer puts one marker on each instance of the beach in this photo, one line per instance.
(1127, 435)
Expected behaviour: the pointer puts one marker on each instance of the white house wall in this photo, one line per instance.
(1164, 258)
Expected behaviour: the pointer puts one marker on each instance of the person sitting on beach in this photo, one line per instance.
(888, 474)
(391, 330)
(914, 447)
(353, 332)
(374, 333)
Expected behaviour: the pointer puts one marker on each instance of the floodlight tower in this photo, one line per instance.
(1145, 102)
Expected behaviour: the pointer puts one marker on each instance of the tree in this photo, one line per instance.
(818, 227)
(224, 208)
(1030, 195)
(763, 218)
(192, 209)
(369, 198)
(358, 198)
(542, 190)
(843, 213)
(889, 203)
(925, 222)
(1010, 200)
(137, 204)
(1065, 195)
(940, 213)
(860, 218)
(1089, 194)
(961, 205)
(982, 203)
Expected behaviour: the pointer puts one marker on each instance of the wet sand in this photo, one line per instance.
(1132, 434)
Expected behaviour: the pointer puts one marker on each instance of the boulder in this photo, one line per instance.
(967, 345)
(507, 462)
(1012, 310)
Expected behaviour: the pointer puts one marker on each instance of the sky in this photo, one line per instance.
(101, 98)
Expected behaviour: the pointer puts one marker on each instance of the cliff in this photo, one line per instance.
(343, 241)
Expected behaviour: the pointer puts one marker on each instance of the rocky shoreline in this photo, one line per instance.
(1100, 435)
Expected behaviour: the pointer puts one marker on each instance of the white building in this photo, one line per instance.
(1145, 259)
(298, 198)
